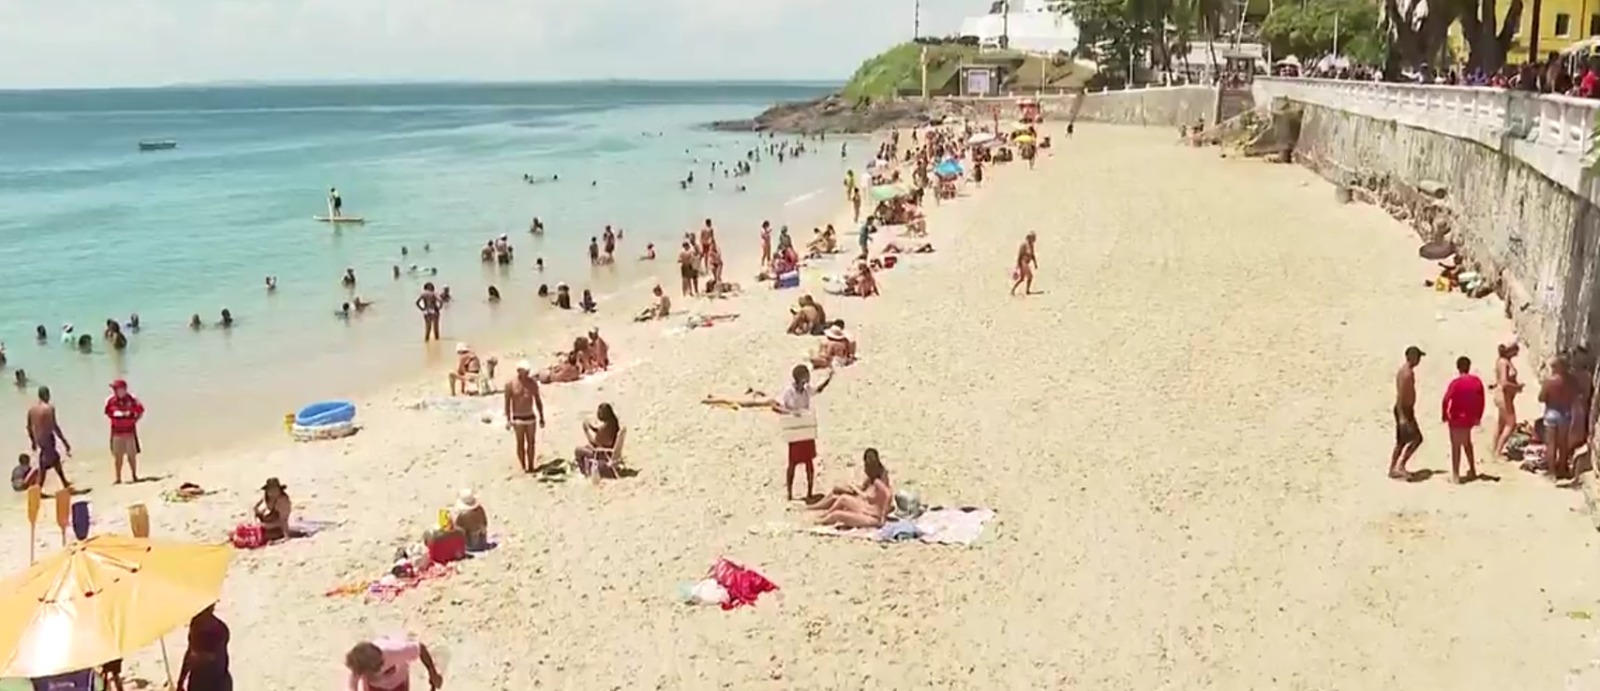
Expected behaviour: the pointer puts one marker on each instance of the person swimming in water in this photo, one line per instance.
(494, 295)
(194, 322)
(227, 319)
(41, 333)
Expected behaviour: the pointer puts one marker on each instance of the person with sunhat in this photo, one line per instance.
(468, 366)
(523, 410)
(469, 517)
(274, 509)
(124, 411)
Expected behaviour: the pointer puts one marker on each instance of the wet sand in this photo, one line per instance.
(1185, 437)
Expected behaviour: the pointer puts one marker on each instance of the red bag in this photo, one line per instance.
(449, 547)
(249, 536)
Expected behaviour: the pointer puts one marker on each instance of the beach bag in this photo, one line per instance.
(249, 536)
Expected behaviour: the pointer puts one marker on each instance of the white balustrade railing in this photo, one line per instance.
(1553, 134)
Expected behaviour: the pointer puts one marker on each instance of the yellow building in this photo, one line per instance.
(1561, 24)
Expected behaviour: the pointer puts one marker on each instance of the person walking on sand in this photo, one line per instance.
(124, 411)
(1407, 434)
(1506, 386)
(1462, 410)
(1556, 393)
(429, 303)
(384, 664)
(1027, 261)
(43, 433)
(800, 426)
(766, 244)
(524, 409)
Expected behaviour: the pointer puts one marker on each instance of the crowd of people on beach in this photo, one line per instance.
(383, 663)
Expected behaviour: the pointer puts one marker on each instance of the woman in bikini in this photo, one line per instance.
(429, 303)
(866, 507)
(1027, 261)
(1507, 387)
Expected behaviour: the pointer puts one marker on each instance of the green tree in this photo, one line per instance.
(1314, 28)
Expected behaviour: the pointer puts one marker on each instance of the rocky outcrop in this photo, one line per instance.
(835, 114)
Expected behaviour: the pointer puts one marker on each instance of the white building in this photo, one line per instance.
(1034, 27)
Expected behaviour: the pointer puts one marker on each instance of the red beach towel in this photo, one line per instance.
(743, 585)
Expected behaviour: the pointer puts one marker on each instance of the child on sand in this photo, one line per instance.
(23, 475)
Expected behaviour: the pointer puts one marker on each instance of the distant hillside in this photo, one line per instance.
(898, 71)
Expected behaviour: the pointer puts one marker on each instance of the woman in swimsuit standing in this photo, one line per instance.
(1507, 387)
(429, 304)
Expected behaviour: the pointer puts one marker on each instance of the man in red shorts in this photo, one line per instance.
(800, 426)
(1462, 410)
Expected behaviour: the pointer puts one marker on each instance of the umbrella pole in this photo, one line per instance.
(165, 664)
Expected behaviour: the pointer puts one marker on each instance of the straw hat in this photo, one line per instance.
(834, 333)
(273, 483)
(463, 348)
(466, 500)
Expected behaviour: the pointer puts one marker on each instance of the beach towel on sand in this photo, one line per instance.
(936, 526)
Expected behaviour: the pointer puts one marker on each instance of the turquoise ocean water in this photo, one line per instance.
(91, 228)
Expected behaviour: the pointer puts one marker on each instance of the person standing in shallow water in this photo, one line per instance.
(1407, 433)
(428, 303)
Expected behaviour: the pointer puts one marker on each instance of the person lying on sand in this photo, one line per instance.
(836, 348)
(809, 318)
(866, 508)
(468, 367)
(909, 248)
(722, 289)
(273, 510)
(751, 399)
(697, 321)
(659, 310)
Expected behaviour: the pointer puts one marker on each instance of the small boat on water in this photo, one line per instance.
(157, 144)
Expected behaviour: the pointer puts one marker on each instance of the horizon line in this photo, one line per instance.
(315, 83)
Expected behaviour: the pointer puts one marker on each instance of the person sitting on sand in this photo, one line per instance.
(822, 243)
(23, 475)
(273, 510)
(360, 303)
(867, 507)
(599, 350)
(861, 283)
(602, 433)
(563, 297)
(384, 664)
(895, 248)
(659, 310)
(468, 367)
(836, 348)
(468, 516)
(649, 253)
(809, 318)
(587, 303)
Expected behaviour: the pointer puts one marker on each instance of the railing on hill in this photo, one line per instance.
(1553, 134)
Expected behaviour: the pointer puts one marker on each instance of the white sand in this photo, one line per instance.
(1185, 437)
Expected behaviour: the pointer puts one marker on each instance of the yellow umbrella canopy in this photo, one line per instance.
(101, 599)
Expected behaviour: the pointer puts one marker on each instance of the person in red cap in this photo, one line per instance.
(124, 411)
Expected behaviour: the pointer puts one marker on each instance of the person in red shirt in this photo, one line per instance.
(1462, 410)
(124, 412)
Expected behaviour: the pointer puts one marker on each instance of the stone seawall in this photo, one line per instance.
(1543, 239)
(1168, 106)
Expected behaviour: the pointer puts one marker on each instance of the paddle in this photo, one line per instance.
(64, 512)
(35, 497)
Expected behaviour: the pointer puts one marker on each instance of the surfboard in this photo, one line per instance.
(339, 219)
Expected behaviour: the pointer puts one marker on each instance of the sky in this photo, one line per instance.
(119, 43)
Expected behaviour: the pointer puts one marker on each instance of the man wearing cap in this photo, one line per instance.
(1407, 434)
(524, 409)
(124, 411)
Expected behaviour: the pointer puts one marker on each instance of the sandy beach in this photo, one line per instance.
(1185, 439)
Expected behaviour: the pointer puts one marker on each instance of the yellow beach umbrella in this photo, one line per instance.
(1024, 139)
(99, 600)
